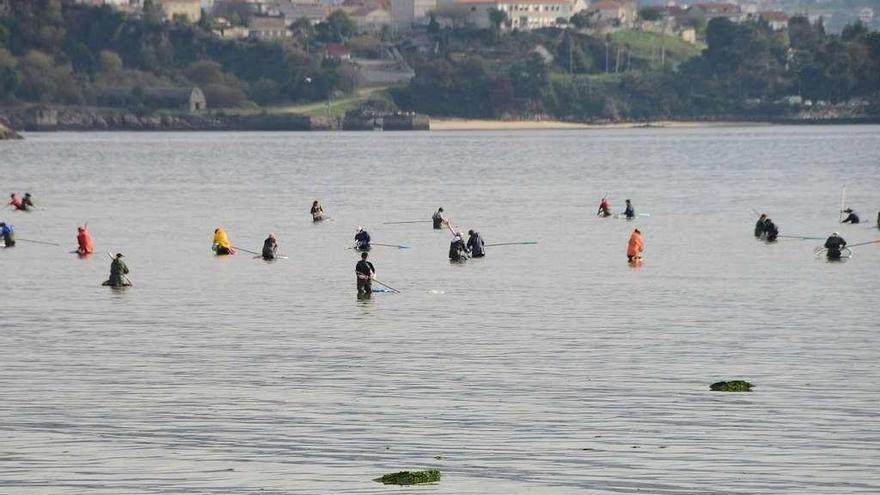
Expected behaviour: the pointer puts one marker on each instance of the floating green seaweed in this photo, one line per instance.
(410, 477)
(731, 386)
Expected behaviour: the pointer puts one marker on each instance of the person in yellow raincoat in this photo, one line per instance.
(635, 247)
(221, 244)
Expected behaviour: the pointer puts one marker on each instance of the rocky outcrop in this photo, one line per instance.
(91, 119)
(6, 133)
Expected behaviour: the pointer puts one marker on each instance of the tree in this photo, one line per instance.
(583, 19)
(496, 19)
(337, 28)
(651, 14)
(111, 63)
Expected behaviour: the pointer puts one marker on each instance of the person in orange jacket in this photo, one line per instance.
(635, 247)
(84, 241)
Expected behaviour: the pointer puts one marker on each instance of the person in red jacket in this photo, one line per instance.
(604, 208)
(84, 241)
(635, 247)
(15, 201)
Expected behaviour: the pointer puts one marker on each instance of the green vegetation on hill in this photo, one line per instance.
(746, 70)
(648, 46)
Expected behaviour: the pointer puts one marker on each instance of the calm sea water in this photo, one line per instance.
(553, 368)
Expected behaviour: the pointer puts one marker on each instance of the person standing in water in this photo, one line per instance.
(365, 271)
(635, 246)
(27, 204)
(438, 219)
(851, 218)
(317, 212)
(8, 234)
(15, 201)
(458, 252)
(475, 244)
(84, 241)
(270, 246)
(221, 245)
(835, 245)
(362, 240)
(118, 272)
(629, 212)
(604, 208)
(771, 232)
(759, 227)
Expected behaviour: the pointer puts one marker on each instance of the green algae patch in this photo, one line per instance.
(731, 386)
(410, 477)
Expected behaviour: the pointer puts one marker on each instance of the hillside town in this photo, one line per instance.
(275, 19)
(364, 64)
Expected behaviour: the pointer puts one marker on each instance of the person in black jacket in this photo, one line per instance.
(364, 270)
(770, 230)
(438, 219)
(362, 240)
(759, 227)
(270, 246)
(475, 244)
(835, 245)
(457, 250)
(629, 212)
(851, 218)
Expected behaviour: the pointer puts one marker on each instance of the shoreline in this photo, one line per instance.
(451, 124)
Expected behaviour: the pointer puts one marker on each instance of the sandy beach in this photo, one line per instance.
(441, 124)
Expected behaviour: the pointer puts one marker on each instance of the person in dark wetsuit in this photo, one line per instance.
(475, 244)
(878, 220)
(835, 245)
(458, 251)
(8, 235)
(362, 240)
(27, 203)
(629, 212)
(317, 212)
(364, 270)
(771, 232)
(438, 219)
(851, 218)
(270, 246)
(759, 227)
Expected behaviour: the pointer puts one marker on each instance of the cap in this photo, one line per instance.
(119, 255)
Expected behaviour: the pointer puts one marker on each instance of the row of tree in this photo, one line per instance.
(746, 69)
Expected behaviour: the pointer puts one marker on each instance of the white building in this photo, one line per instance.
(521, 14)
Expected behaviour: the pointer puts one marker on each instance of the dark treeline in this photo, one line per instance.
(58, 52)
(747, 69)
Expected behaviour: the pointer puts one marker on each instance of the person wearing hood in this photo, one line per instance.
(118, 272)
(317, 212)
(604, 208)
(458, 251)
(635, 246)
(221, 245)
(770, 230)
(851, 217)
(365, 271)
(475, 244)
(270, 246)
(84, 241)
(7, 232)
(362, 240)
(835, 245)
(629, 212)
(437, 219)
